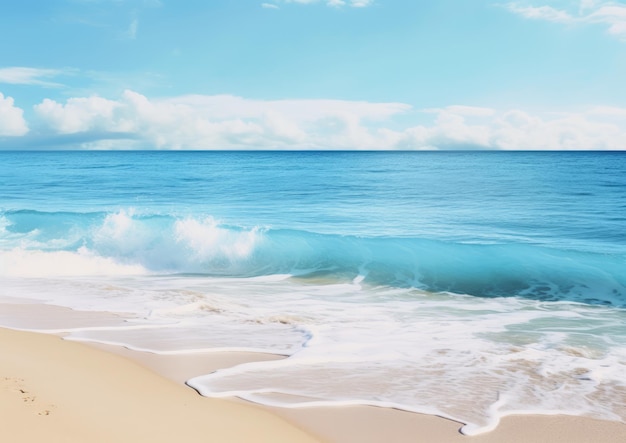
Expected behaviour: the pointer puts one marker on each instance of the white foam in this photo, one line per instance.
(34, 263)
(208, 240)
(470, 359)
(271, 278)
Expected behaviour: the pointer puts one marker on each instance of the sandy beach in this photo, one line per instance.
(56, 390)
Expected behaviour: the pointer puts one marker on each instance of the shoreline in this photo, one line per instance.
(69, 391)
(60, 377)
(370, 424)
(58, 390)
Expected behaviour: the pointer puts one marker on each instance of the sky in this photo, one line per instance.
(313, 74)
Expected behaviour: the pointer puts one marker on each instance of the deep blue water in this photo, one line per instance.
(543, 197)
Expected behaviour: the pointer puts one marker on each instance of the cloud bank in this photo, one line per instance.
(465, 127)
(610, 14)
(221, 121)
(135, 121)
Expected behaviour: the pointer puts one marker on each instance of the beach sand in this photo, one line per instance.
(52, 390)
(55, 390)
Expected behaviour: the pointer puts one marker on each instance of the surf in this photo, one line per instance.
(127, 242)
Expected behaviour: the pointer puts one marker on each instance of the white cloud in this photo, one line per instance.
(332, 3)
(608, 112)
(269, 6)
(229, 122)
(609, 14)
(542, 13)
(12, 121)
(222, 121)
(612, 15)
(597, 128)
(28, 76)
(228, 106)
(79, 114)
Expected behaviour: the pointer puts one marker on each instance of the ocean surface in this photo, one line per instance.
(470, 285)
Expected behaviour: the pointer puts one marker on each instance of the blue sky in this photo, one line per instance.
(313, 74)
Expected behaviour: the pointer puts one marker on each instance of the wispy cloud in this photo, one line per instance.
(110, 16)
(136, 3)
(542, 13)
(269, 6)
(610, 14)
(18, 75)
(361, 3)
(332, 3)
(132, 29)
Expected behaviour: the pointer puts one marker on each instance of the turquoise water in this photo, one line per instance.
(505, 270)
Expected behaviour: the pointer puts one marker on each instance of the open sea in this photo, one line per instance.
(470, 285)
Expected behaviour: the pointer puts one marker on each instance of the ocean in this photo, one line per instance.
(470, 285)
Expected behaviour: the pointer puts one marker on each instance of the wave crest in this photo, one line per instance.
(98, 242)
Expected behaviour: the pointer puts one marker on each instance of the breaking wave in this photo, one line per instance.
(36, 243)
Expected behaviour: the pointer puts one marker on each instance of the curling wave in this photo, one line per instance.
(67, 243)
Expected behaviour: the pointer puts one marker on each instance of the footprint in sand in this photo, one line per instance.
(17, 386)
